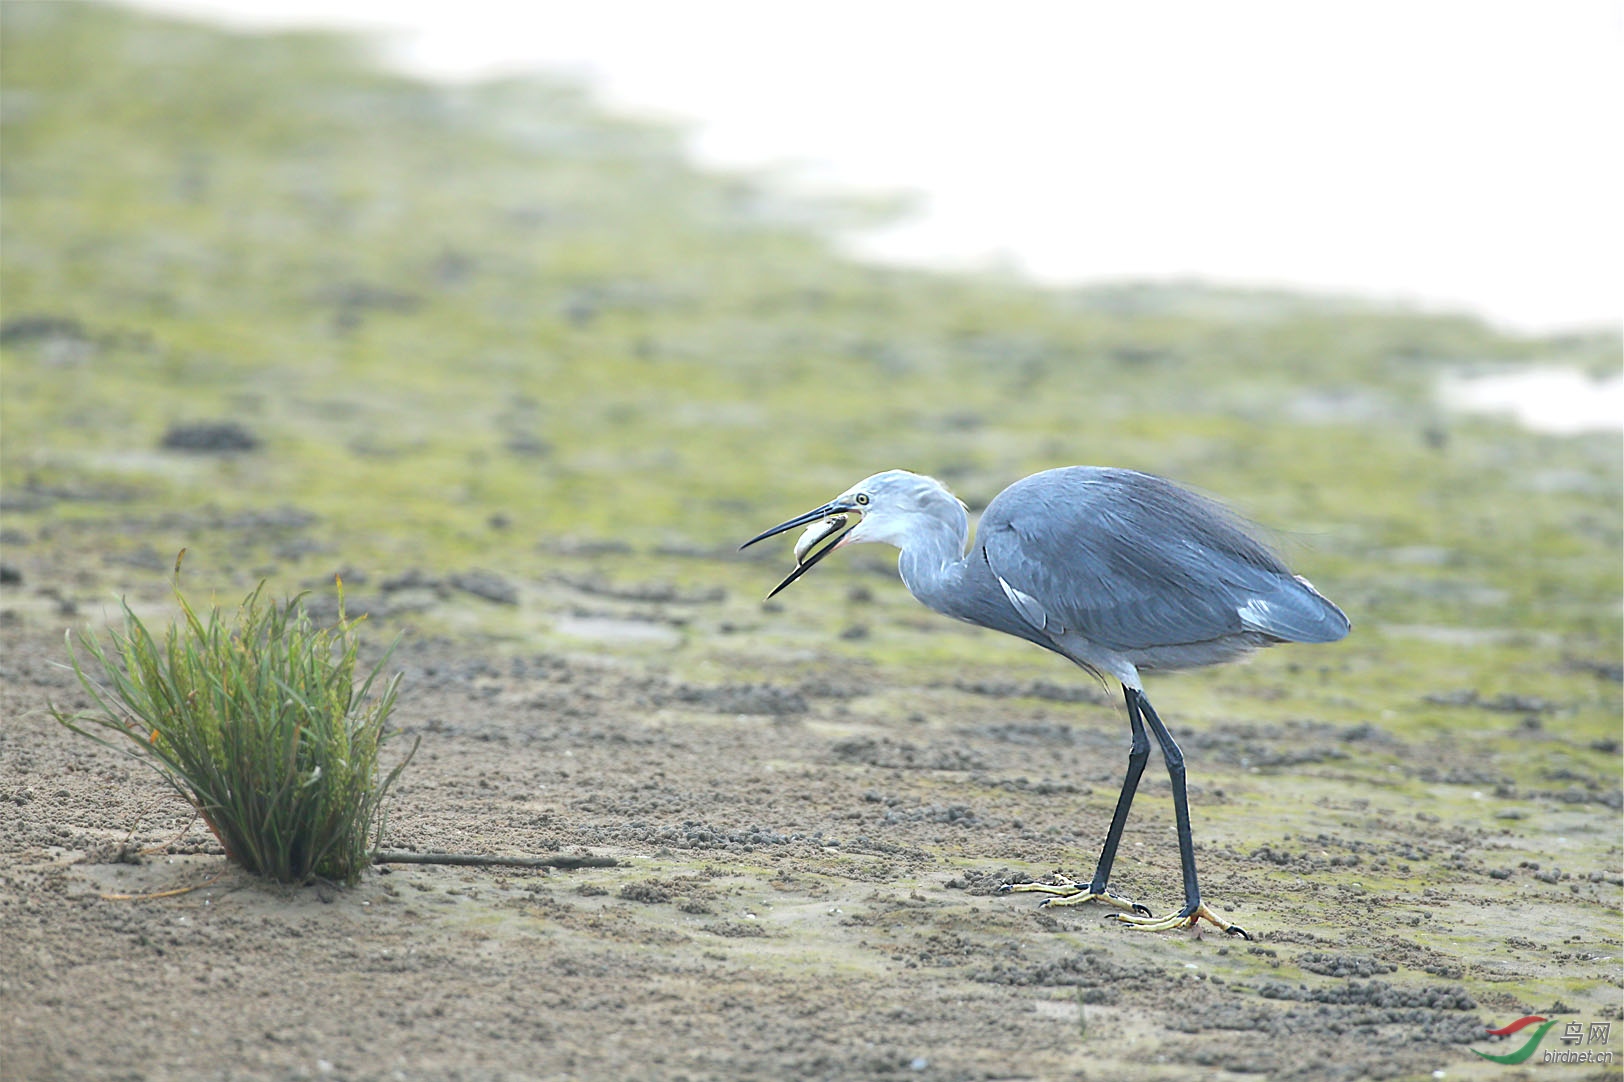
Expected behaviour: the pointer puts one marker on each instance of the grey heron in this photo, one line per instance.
(1117, 571)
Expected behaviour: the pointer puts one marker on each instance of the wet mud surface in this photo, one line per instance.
(807, 888)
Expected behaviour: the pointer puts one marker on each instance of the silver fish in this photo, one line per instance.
(815, 533)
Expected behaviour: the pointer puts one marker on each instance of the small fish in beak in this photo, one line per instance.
(815, 533)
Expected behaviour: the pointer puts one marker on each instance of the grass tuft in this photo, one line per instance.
(258, 722)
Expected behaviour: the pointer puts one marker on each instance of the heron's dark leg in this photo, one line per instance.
(1066, 892)
(1194, 909)
(1174, 758)
(1138, 755)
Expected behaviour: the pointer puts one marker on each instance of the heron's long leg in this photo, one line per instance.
(1138, 755)
(1066, 892)
(1194, 909)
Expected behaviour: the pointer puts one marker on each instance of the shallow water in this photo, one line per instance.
(1559, 401)
(1044, 164)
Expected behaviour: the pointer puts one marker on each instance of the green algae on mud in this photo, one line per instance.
(490, 329)
(574, 330)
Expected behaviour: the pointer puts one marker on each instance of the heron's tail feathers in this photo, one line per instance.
(1295, 612)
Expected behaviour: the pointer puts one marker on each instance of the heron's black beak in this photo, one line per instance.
(821, 547)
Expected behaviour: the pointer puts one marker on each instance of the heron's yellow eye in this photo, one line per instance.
(862, 498)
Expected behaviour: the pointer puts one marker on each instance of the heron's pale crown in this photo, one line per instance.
(898, 501)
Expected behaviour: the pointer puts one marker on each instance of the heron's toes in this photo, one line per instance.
(1057, 884)
(1066, 892)
(1108, 897)
(1188, 917)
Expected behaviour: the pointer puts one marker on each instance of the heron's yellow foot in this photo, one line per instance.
(1064, 891)
(1188, 917)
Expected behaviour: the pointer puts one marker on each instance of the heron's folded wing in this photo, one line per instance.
(1134, 569)
(1295, 612)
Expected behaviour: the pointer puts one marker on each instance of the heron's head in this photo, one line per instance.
(893, 506)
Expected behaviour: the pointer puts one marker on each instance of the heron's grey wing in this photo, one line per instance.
(1130, 561)
(1295, 612)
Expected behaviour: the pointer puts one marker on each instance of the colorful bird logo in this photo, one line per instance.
(1528, 1047)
